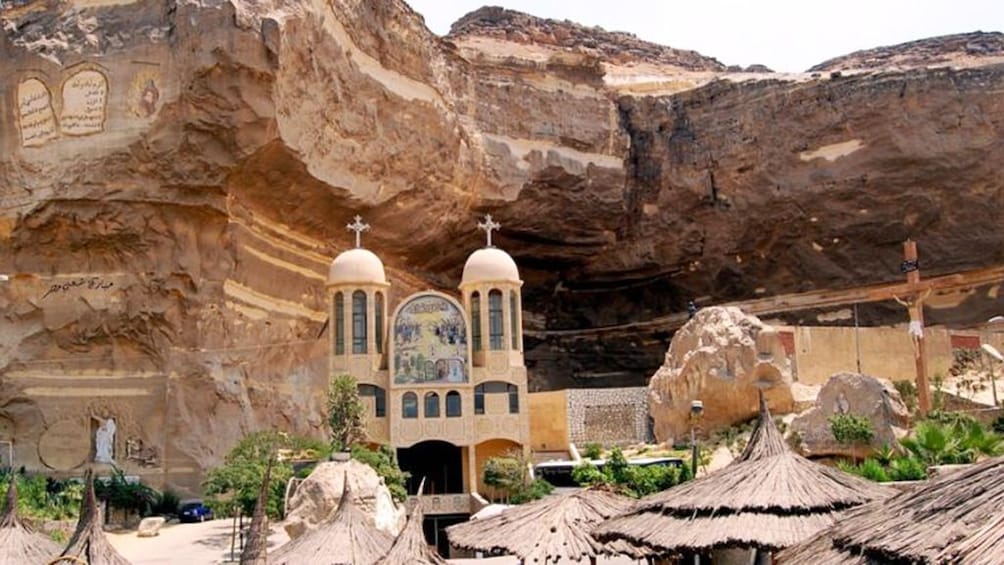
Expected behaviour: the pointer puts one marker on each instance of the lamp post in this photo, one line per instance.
(696, 408)
(996, 355)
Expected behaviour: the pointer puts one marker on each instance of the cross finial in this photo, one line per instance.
(488, 226)
(359, 227)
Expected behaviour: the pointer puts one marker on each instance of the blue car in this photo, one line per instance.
(194, 512)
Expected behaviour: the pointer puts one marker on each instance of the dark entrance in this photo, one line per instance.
(434, 528)
(439, 462)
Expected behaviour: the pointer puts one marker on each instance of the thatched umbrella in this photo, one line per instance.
(256, 550)
(19, 544)
(546, 530)
(957, 518)
(350, 538)
(88, 542)
(410, 547)
(768, 499)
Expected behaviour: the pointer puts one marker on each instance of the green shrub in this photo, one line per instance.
(908, 392)
(593, 450)
(538, 488)
(41, 499)
(907, 469)
(236, 483)
(167, 503)
(345, 412)
(851, 429)
(628, 479)
(587, 475)
(121, 494)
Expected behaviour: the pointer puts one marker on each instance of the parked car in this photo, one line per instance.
(194, 512)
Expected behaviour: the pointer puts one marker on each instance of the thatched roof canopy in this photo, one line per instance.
(350, 538)
(410, 547)
(18, 543)
(552, 528)
(88, 541)
(769, 498)
(957, 518)
(256, 550)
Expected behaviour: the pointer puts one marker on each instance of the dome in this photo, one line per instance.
(490, 265)
(359, 266)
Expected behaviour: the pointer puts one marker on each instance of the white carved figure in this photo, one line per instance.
(104, 442)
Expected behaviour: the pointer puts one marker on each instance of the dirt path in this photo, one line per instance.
(185, 544)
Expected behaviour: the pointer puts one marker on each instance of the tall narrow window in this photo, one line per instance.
(379, 398)
(479, 399)
(495, 325)
(453, 404)
(431, 405)
(358, 322)
(514, 320)
(476, 321)
(409, 405)
(339, 323)
(513, 399)
(378, 320)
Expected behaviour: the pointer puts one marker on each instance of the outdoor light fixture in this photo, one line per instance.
(909, 266)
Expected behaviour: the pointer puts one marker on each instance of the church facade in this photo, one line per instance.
(441, 376)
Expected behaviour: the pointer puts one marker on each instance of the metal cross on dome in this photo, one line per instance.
(488, 226)
(359, 227)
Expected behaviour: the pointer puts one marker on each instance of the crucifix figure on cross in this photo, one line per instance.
(488, 226)
(359, 227)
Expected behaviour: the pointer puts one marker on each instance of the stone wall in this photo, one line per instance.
(608, 415)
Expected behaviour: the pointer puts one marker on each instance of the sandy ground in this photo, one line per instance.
(189, 544)
(209, 544)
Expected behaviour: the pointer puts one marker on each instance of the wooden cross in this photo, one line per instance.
(914, 303)
(488, 226)
(359, 227)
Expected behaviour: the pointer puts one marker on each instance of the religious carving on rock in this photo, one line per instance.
(430, 342)
(144, 94)
(36, 118)
(85, 95)
(138, 453)
(104, 442)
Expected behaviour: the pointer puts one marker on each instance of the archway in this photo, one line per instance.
(441, 464)
(493, 448)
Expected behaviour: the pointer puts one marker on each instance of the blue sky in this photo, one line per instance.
(785, 35)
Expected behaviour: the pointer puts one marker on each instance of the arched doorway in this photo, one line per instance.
(439, 462)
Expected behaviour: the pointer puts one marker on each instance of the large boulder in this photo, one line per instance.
(851, 393)
(317, 497)
(721, 357)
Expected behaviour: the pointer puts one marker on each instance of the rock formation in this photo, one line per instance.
(175, 176)
(860, 395)
(316, 498)
(721, 357)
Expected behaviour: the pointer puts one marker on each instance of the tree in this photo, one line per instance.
(345, 412)
(384, 462)
(628, 479)
(238, 480)
(509, 475)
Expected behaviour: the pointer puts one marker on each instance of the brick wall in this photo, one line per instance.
(611, 416)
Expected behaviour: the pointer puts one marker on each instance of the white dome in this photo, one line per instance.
(360, 266)
(490, 265)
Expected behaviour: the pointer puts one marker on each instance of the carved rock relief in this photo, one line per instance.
(36, 117)
(85, 98)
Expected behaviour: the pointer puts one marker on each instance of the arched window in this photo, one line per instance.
(409, 405)
(513, 391)
(495, 325)
(358, 322)
(431, 405)
(496, 387)
(476, 321)
(378, 320)
(453, 404)
(514, 319)
(339, 323)
(379, 398)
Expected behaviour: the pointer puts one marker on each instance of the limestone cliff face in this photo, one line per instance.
(175, 176)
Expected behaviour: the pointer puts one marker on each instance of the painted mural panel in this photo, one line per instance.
(430, 342)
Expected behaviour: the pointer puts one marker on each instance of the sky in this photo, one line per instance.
(785, 35)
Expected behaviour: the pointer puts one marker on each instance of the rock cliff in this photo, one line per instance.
(175, 176)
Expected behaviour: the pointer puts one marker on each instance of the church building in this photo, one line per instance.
(441, 377)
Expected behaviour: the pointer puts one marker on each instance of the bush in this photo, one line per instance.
(236, 483)
(538, 488)
(850, 429)
(384, 461)
(42, 499)
(345, 412)
(908, 392)
(628, 479)
(167, 503)
(123, 495)
(907, 469)
(593, 451)
(509, 475)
